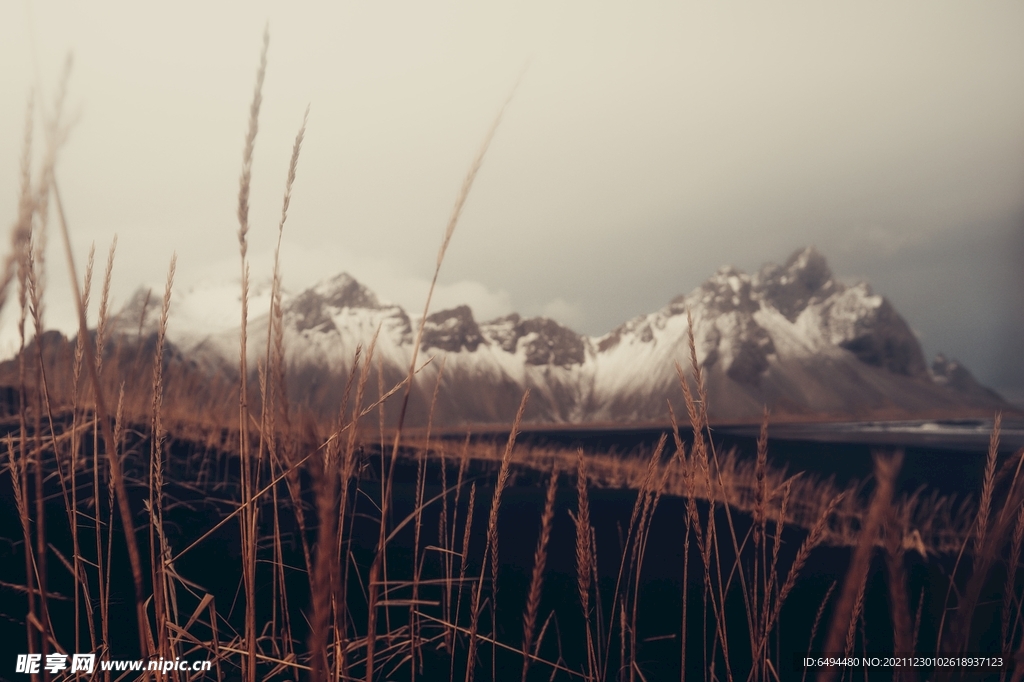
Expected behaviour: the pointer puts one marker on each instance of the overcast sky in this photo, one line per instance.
(648, 144)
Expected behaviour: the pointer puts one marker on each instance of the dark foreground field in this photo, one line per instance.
(641, 555)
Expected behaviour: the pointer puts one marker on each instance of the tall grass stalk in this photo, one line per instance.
(895, 528)
(81, 582)
(453, 220)
(852, 593)
(110, 444)
(585, 560)
(537, 576)
(249, 469)
(491, 543)
(159, 551)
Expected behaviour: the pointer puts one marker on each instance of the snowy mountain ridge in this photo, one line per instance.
(789, 336)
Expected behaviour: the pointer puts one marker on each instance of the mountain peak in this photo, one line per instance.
(809, 267)
(311, 307)
(804, 278)
(728, 290)
(344, 291)
(452, 330)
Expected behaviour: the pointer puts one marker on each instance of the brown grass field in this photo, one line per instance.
(149, 514)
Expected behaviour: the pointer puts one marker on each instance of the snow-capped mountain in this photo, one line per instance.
(791, 337)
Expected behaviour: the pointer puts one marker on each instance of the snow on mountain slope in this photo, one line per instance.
(791, 337)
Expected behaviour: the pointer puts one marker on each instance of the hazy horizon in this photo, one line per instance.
(646, 146)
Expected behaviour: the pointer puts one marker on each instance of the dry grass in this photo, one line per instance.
(585, 559)
(537, 577)
(851, 597)
(313, 602)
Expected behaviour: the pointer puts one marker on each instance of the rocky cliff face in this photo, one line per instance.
(791, 336)
(541, 340)
(452, 331)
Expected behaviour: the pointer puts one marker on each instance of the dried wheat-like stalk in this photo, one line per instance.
(322, 585)
(1012, 567)
(21, 232)
(491, 548)
(450, 615)
(31, 233)
(812, 540)
(817, 622)
(886, 469)
(348, 472)
(689, 487)
(858, 612)
(650, 492)
(903, 636)
(116, 477)
(773, 569)
(537, 578)
(276, 393)
(56, 135)
(761, 490)
(34, 284)
(159, 432)
(463, 564)
(634, 541)
(453, 221)
(159, 551)
(584, 556)
(104, 311)
(249, 483)
(464, 551)
(19, 483)
(955, 640)
(759, 526)
(76, 369)
(101, 325)
(421, 473)
(699, 455)
(245, 181)
(293, 165)
(274, 397)
(696, 407)
(377, 565)
(705, 428)
(21, 249)
(989, 485)
(81, 583)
